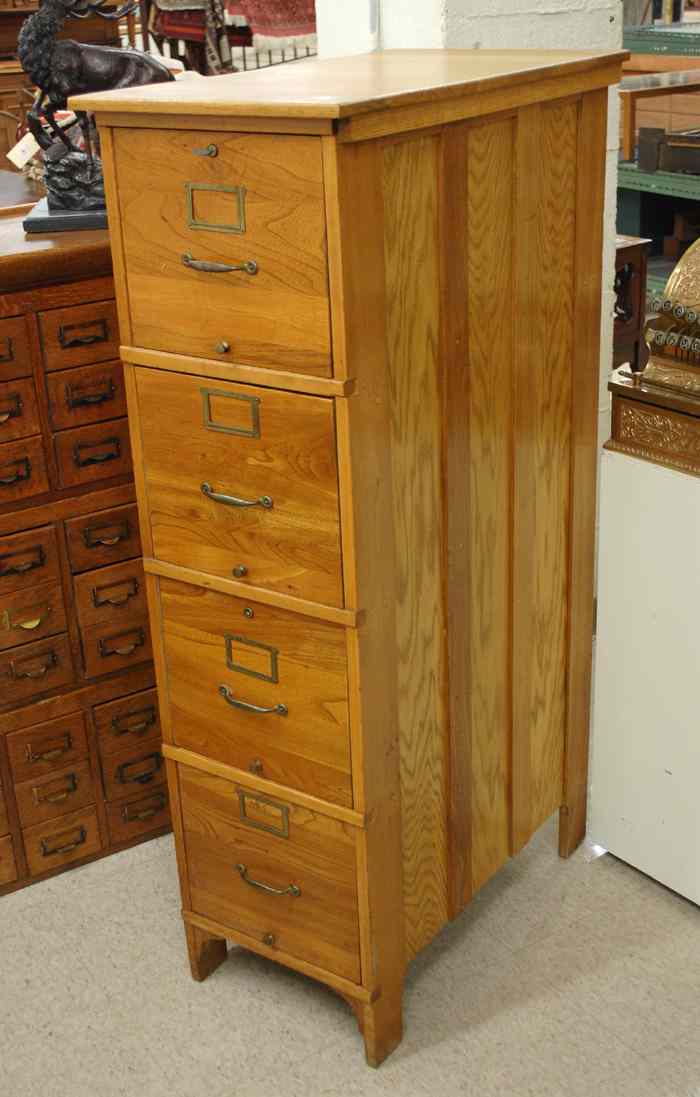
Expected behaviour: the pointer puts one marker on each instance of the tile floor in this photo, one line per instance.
(563, 979)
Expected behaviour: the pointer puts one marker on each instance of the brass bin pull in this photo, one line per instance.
(99, 598)
(53, 753)
(14, 411)
(291, 889)
(148, 718)
(38, 561)
(51, 662)
(47, 851)
(207, 267)
(140, 816)
(92, 538)
(30, 623)
(24, 472)
(57, 797)
(87, 399)
(233, 501)
(278, 710)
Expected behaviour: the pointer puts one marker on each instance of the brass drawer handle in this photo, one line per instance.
(52, 754)
(123, 776)
(96, 458)
(57, 797)
(40, 672)
(207, 267)
(233, 501)
(145, 813)
(15, 401)
(89, 398)
(291, 889)
(67, 342)
(92, 538)
(149, 718)
(9, 354)
(24, 472)
(47, 851)
(279, 710)
(20, 569)
(100, 599)
(29, 624)
(126, 649)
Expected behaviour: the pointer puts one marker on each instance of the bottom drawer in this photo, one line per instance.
(280, 873)
(140, 814)
(8, 868)
(62, 841)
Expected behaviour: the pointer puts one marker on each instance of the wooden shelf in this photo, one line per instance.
(673, 184)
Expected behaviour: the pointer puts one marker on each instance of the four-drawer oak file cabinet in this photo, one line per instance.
(360, 306)
(81, 771)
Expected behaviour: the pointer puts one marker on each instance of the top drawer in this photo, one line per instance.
(194, 205)
(77, 336)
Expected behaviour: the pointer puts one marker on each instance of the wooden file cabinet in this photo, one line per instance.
(360, 302)
(74, 633)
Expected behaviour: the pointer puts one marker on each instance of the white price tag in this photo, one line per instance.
(23, 151)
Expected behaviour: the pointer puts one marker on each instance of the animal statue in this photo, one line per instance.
(62, 68)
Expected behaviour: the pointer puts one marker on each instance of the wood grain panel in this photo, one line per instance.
(546, 197)
(411, 242)
(490, 411)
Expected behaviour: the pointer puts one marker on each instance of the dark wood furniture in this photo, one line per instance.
(81, 773)
(630, 301)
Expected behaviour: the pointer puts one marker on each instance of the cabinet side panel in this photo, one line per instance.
(412, 263)
(545, 226)
(489, 213)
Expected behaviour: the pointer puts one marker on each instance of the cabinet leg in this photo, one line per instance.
(381, 1024)
(206, 952)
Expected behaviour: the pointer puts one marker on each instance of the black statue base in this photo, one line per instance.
(42, 219)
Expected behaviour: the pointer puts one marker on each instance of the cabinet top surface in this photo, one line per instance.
(27, 260)
(340, 87)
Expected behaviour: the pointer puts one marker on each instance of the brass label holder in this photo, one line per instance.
(253, 403)
(282, 831)
(231, 663)
(238, 227)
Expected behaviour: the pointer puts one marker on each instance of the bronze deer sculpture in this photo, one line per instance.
(62, 68)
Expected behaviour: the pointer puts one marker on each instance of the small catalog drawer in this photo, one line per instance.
(19, 414)
(55, 794)
(4, 820)
(128, 721)
(258, 688)
(61, 841)
(113, 646)
(35, 668)
(22, 470)
(86, 395)
(30, 614)
(111, 594)
(242, 482)
(226, 256)
(28, 558)
(8, 867)
(96, 452)
(128, 819)
(15, 356)
(136, 768)
(79, 335)
(103, 538)
(47, 747)
(280, 873)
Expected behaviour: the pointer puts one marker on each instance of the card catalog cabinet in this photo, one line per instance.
(359, 304)
(74, 632)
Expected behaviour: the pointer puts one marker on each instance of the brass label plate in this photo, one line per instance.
(193, 222)
(273, 818)
(265, 655)
(253, 410)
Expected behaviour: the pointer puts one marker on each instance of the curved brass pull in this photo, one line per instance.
(14, 411)
(24, 472)
(106, 650)
(233, 500)
(291, 889)
(207, 267)
(278, 710)
(149, 718)
(50, 755)
(47, 851)
(100, 599)
(31, 623)
(51, 662)
(57, 797)
(88, 399)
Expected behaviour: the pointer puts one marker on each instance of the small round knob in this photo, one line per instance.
(240, 570)
(269, 940)
(256, 767)
(249, 612)
(223, 347)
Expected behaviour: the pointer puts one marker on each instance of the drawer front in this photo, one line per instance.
(19, 414)
(103, 538)
(8, 867)
(114, 646)
(138, 815)
(236, 841)
(79, 335)
(22, 470)
(206, 443)
(259, 200)
(15, 356)
(61, 841)
(35, 668)
(4, 820)
(30, 614)
(48, 747)
(56, 794)
(86, 395)
(111, 594)
(258, 688)
(28, 559)
(91, 453)
(135, 769)
(127, 722)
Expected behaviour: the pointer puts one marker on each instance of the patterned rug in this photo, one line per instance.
(279, 24)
